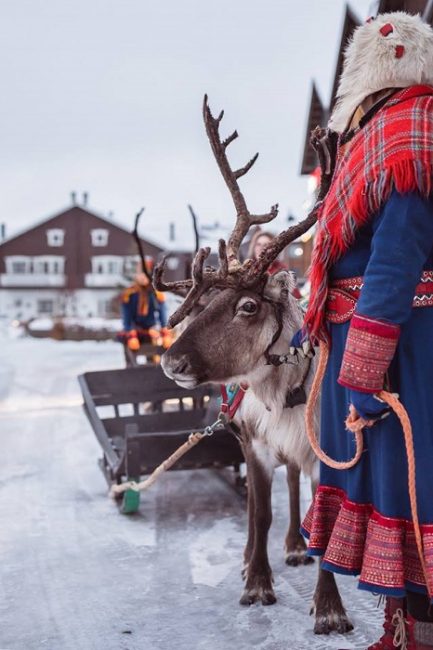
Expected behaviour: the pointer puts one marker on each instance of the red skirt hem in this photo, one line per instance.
(356, 539)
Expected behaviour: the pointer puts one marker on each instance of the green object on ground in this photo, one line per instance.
(130, 502)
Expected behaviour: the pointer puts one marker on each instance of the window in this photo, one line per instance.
(55, 237)
(19, 267)
(48, 264)
(45, 306)
(99, 236)
(107, 264)
(18, 264)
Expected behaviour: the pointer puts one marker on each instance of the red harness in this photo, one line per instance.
(229, 406)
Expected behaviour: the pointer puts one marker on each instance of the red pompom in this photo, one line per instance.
(399, 51)
(387, 29)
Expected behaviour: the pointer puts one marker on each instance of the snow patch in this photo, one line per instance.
(210, 559)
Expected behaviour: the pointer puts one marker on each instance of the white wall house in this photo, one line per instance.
(74, 264)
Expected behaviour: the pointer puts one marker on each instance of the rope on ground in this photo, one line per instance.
(193, 439)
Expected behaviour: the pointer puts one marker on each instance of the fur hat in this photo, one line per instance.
(394, 50)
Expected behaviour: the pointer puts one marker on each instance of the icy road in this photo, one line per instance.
(77, 575)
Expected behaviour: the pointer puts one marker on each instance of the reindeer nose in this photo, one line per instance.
(181, 366)
(176, 365)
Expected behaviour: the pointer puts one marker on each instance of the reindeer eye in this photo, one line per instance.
(249, 307)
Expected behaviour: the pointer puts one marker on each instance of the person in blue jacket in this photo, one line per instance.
(372, 303)
(144, 314)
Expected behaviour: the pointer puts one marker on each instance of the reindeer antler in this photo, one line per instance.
(140, 247)
(278, 244)
(179, 287)
(231, 273)
(203, 279)
(195, 227)
(325, 143)
(244, 219)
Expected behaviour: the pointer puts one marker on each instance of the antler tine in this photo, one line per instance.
(198, 263)
(195, 226)
(200, 283)
(222, 256)
(244, 170)
(244, 219)
(136, 236)
(274, 248)
(178, 287)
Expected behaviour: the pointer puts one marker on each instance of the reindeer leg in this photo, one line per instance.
(259, 575)
(251, 508)
(328, 609)
(295, 546)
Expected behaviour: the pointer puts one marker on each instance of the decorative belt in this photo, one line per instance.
(343, 296)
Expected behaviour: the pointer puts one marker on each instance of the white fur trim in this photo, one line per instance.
(370, 63)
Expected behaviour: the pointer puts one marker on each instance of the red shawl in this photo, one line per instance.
(393, 150)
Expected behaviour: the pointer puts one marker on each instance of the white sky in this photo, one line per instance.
(105, 96)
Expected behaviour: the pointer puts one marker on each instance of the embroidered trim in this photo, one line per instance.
(369, 350)
(355, 538)
(343, 295)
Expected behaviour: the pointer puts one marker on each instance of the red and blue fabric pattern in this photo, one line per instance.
(393, 151)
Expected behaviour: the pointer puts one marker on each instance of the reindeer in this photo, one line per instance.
(242, 335)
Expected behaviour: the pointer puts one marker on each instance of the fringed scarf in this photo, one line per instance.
(393, 150)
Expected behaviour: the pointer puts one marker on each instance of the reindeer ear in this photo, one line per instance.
(280, 286)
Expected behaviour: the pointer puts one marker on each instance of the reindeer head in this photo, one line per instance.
(247, 310)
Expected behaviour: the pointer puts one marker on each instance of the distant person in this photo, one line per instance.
(258, 243)
(144, 314)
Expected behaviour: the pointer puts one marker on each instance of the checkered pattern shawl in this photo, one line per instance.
(393, 150)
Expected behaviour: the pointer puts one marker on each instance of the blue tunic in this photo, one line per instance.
(361, 518)
(131, 316)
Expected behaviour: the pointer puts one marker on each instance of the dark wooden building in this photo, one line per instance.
(72, 264)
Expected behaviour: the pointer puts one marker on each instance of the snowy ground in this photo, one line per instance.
(77, 575)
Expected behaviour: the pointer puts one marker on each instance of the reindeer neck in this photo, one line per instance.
(269, 383)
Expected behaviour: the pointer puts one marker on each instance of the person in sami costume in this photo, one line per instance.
(372, 301)
(142, 310)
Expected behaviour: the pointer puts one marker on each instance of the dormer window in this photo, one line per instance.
(55, 237)
(99, 236)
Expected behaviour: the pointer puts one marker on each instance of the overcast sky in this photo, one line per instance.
(105, 96)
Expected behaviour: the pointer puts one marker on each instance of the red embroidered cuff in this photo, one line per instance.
(370, 347)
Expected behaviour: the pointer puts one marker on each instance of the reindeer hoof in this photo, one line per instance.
(258, 588)
(298, 556)
(251, 596)
(333, 622)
